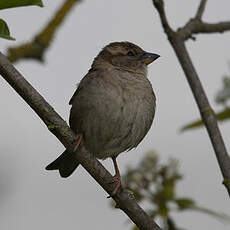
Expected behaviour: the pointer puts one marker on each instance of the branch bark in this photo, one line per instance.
(195, 26)
(124, 200)
(177, 40)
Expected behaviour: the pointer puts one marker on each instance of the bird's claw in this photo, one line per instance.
(116, 179)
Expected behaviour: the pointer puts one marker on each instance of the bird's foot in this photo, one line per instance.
(116, 180)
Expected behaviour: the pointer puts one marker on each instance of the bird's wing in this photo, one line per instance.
(83, 82)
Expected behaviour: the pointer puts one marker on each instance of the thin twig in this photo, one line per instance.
(201, 9)
(159, 4)
(207, 114)
(125, 201)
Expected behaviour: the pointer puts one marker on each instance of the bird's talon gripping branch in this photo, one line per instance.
(116, 179)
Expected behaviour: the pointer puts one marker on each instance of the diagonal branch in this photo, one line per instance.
(196, 26)
(207, 114)
(125, 201)
(201, 9)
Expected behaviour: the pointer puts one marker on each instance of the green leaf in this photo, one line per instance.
(167, 193)
(221, 116)
(163, 210)
(184, 203)
(5, 4)
(4, 30)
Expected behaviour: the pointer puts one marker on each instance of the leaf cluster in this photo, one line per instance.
(154, 184)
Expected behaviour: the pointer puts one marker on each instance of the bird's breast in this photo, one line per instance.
(118, 114)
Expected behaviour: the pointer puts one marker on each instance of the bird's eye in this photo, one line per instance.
(130, 53)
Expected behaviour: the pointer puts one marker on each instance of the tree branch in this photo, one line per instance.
(159, 4)
(207, 114)
(196, 26)
(200, 10)
(125, 201)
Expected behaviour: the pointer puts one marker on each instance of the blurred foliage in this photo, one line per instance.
(221, 116)
(5, 4)
(154, 184)
(36, 48)
(222, 98)
(4, 29)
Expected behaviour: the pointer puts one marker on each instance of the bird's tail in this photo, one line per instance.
(66, 164)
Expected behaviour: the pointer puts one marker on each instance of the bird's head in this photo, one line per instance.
(125, 56)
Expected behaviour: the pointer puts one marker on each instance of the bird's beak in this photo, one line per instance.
(148, 58)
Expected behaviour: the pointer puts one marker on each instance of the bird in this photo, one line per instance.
(113, 107)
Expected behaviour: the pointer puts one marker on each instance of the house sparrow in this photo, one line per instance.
(112, 108)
